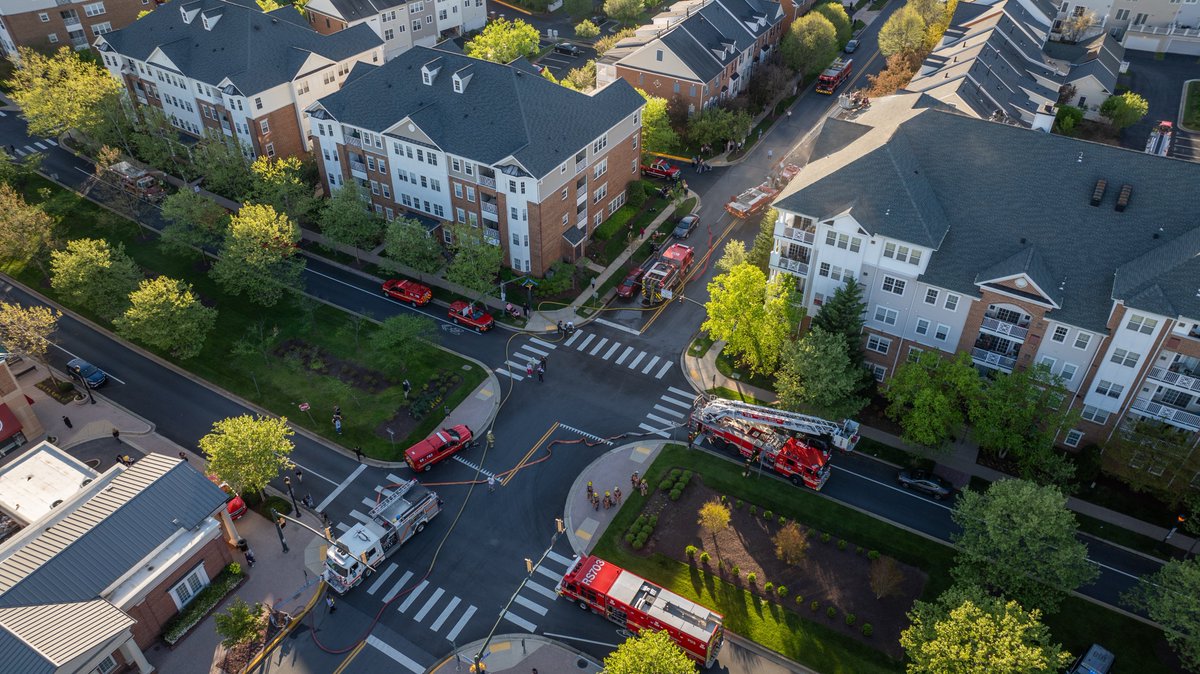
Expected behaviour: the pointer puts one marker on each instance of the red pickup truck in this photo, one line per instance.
(466, 313)
(407, 291)
(661, 168)
(443, 443)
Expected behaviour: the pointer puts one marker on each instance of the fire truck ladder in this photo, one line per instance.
(710, 409)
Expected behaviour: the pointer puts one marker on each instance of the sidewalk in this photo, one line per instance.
(519, 654)
(702, 373)
(609, 471)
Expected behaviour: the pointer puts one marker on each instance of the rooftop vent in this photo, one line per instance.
(1123, 197)
(1098, 193)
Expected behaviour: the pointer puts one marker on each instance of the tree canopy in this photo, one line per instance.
(930, 395)
(1018, 539)
(258, 257)
(59, 92)
(503, 41)
(764, 241)
(165, 314)
(1021, 414)
(810, 44)
(94, 275)
(225, 170)
(248, 452)
(842, 314)
(280, 183)
(346, 220)
(903, 32)
(409, 243)
(836, 13)
(26, 331)
(401, 339)
(657, 133)
(625, 11)
(193, 221)
(26, 230)
(1125, 109)
(476, 262)
(240, 623)
(1171, 597)
(750, 315)
(817, 375)
(586, 30)
(649, 652)
(714, 125)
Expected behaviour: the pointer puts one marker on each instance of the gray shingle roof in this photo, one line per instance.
(698, 57)
(42, 638)
(504, 111)
(1007, 190)
(256, 51)
(354, 10)
(103, 538)
(1028, 262)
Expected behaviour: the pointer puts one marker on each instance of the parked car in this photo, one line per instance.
(407, 291)
(686, 226)
(1097, 660)
(466, 313)
(925, 481)
(421, 456)
(851, 46)
(91, 374)
(631, 284)
(235, 505)
(566, 48)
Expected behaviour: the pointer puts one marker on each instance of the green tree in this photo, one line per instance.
(26, 230)
(346, 220)
(734, 255)
(625, 11)
(609, 41)
(403, 339)
(657, 133)
(930, 11)
(715, 125)
(836, 13)
(764, 241)
(1124, 110)
(59, 92)
(156, 140)
(903, 33)
(578, 9)
(248, 452)
(1171, 597)
(268, 5)
(241, 623)
(582, 78)
(1018, 539)
(476, 262)
(258, 258)
(1021, 413)
(280, 183)
(714, 518)
(164, 313)
(193, 221)
(409, 243)
(649, 652)
(842, 314)
(586, 30)
(816, 374)
(930, 397)
(968, 632)
(504, 41)
(91, 274)
(810, 44)
(26, 331)
(791, 543)
(749, 314)
(1067, 119)
(223, 166)
(16, 172)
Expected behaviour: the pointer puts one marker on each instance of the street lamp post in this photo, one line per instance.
(287, 482)
(277, 519)
(86, 389)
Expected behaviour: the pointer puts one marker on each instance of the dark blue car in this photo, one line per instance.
(91, 374)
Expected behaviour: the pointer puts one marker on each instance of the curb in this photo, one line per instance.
(274, 643)
(469, 649)
(768, 654)
(1183, 101)
(580, 483)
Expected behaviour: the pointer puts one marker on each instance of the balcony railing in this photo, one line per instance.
(358, 170)
(993, 359)
(487, 182)
(353, 141)
(801, 235)
(580, 166)
(491, 236)
(1175, 379)
(1172, 415)
(489, 207)
(796, 267)
(1010, 330)
(227, 129)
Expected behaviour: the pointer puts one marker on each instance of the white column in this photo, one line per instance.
(133, 654)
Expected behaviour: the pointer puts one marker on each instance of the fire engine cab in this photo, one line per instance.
(636, 604)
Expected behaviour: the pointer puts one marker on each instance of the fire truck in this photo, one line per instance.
(753, 200)
(397, 518)
(1159, 142)
(789, 443)
(665, 276)
(833, 76)
(139, 182)
(636, 604)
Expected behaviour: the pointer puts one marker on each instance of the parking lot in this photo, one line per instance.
(1160, 82)
(560, 63)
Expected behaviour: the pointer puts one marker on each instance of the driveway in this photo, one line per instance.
(1160, 82)
(561, 64)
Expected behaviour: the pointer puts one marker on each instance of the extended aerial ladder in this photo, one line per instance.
(710, 410)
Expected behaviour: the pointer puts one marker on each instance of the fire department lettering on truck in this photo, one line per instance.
(593, 572)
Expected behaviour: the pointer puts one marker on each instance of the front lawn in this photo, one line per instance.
(1191, 110)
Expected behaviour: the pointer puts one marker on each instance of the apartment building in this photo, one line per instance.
(401, 23)
(50, 24)
(436, 133)
(1147, 25)
(699, 51)
(224, 66)
(1015, 247)
(99, 562)
(997, 61)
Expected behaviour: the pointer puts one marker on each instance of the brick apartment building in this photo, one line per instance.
(50, 24)
(401, 23)
(224, 66)
(699, 51)
(439, 134)
(95, 564)
(1014, 246)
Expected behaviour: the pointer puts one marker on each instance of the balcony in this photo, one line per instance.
(1179, 379)
(1146, 407)
(797, 267)
(354, 141)
(358, 169)
(491, 236)
(802, 235)
(997, 361)
(487, 181)
(1011, 330)
(490, 211)
(580, 166)
(227, 129)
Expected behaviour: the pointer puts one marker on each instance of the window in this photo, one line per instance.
(1073, 438)
(877, 371)
(894, 286)
(879, 344)
(374, 187)
(185, 590)
(382, 166)
(823, 269)
(370, 162)
(455, 164)
(106, 665)
(433, 161)
(1094, 414)
(94, 9)
(600, 144)
(1048, 362)
(1142, 324)
(512, 186)
(1082, 340)
(516, 239)
(564, 194)
(458, 190)
(45, 18)
(387, 191)
(258, 104)
(446, 237)
(429, 19)
(1126, 358)
(53, 38)
(599, 169)
(389, 34)
(1107, 388)
(1122, 15)
(513, 212)
(951, 302)
(931, 296)
(271, 150)
(102, 28)
(843, 241)
(1060, 334)
(902, 253)
(435, 184)
(886, 315)
(1068, 371)
(470, 194)
(922, 326)
(416, 25)
(600, 193)
(943, 331)
(391, 215)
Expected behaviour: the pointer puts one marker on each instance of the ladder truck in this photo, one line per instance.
(833, 76)
(789, 443)
(397, 518)
(1159, 142)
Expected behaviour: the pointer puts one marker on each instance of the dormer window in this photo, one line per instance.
(461, 78)
(430, 70)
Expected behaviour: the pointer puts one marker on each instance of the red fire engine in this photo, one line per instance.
(833, 76)
(751, 431)
(637, 604)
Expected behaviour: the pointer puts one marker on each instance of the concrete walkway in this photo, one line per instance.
(611, 470)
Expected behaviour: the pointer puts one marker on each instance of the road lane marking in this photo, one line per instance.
(655, 417)
(549, 574)
(462, 622)
(382, 578)
(441, 619)
(539, 352)
(531, 605)
(506, 373)
(585, 342)
(625, 354)
(516, 469)
(634, 364)
(667, 410)
(389, 299)
(664, 369)
(391, 594)
(541, 589)
(573, 337)
(519, 621)
(110, 375)
(407, 662)
(412, 596)
(429, 605)
(651, 365)
(599, 345)
(338, 489)
(677, 403)
(589, 436)
(615, 346)
(617, 326)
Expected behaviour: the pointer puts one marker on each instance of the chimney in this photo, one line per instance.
(1123, 198)
(1098, 193)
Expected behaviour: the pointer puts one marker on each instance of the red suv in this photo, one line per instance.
(407, 291)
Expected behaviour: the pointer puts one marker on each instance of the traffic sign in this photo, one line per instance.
(303, 407)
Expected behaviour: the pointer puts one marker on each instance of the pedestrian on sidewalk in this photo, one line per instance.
(358, 453)
(789, 114)
(308, 501)
(770, 154)
(633, 479)
(560, 328)
(250, 560)
(330, 604)
(299, 475)
(491, 483)
(116, 435)
(491, 439)
(617, 495)
(541, 373)
(183, 455)
(67, 421)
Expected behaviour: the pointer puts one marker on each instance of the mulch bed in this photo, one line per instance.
(236, 658)
(323, 362)
(429, 399)
(834, 577)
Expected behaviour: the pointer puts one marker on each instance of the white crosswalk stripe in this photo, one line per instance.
(541, 589)
(664, 422)
(625, 354)
(437, 594)
(677, 403)
(29, 149)
(385, 648)
(519, 621)
(565, 561)
(537, 351)
(342, 527)
(369, 502)
(546, 344)
(584, 343)
(360, 517)
(687, 395)
(51, 141)
(441, 619)
(40, 146)
(549, 574)
(667, 410)
(506, 373)
(532, 606)
(412, 596)
(21, 153)
(462, 622)
(651, 365)
(611, 350)
(640, 356)
(3, 114)
(664, 369)
(395, 479)
(656, 431)
(382, 578)
(574, 336)
(599, 345)
(471, 464)
(397, 587)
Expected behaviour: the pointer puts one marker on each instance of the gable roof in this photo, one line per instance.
(505, 111)
(916, 170)
(255, 51)
(40, 639)
(357, 10)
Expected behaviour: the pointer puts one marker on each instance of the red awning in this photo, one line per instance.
(9, 426)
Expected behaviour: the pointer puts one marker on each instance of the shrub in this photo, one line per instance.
(873, 555)
(724, 500)
(738, 504)
(841, 544)
(704, 558)
(629, 538)
(638, 543)
(737, 571)
(666, 485)
(814, 605)
(831, 612)
(753, 510)
(687, 475)
(675, 473)
(586, 29)
(799, 599)
(867, 630)
(675, 494)
(782, 520)
(690, 551)
(781, 590)
(205, 601)
(751, 578)
(653, 520)
(825, 537)
(858, 550)
(767, 514)
(851, 618)
(768, 587)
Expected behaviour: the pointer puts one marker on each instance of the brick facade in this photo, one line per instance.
(26, 29)
(283, 133)
(325, 24)
(158, 606)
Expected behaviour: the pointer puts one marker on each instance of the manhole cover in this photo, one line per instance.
(581, 663)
